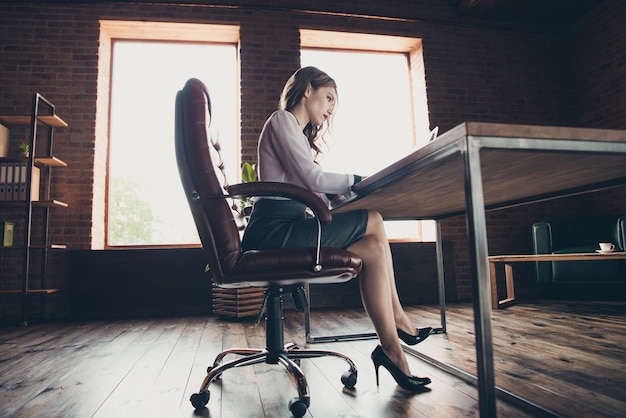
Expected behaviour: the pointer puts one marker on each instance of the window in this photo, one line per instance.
(381, 114)
(144, 64)
(146, 204)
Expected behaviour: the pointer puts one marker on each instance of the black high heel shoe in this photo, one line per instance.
(422, 334)
(412, 383)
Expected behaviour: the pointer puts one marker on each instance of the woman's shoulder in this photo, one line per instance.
(282, 116)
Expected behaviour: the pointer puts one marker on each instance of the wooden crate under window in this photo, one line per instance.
(237, 303)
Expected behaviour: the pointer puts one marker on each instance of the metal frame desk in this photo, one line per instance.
(476, 167)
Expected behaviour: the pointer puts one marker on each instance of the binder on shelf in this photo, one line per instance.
(4, 141)
(13, 178)
(3, 181)
(34, 184)
(21, 184)
(9, 183)
(17, 181)
(6, 233)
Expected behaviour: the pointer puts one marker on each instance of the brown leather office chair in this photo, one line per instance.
(281, 271)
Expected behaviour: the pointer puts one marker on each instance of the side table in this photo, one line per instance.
(508, 269)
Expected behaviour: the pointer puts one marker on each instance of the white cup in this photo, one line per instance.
(607, 246)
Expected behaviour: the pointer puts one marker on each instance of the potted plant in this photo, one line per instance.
(24, 149)
(248, 175)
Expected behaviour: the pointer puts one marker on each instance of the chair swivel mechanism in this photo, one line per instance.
(214, 208)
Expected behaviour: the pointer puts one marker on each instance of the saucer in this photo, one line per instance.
(605, 251)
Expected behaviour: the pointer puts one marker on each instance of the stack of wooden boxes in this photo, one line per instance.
(237, 303)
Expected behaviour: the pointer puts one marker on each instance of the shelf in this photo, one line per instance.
(50, 203)
(50, 161)
(40, 159)
(49, 120)
(38, 203)
(49, 247)
(35, 247)
(30, 291)
(47, 161)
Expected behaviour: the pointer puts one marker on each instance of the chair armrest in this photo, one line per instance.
(291, 191)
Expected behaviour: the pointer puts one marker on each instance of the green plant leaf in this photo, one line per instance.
(248, 173)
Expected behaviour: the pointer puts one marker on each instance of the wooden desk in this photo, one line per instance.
(508, 269)
(476, 167)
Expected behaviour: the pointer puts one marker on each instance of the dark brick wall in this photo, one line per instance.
(475, 70)
(589, 70)
(152, 282)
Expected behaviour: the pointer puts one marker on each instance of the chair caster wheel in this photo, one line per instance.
(199, 400)
(349, 379)
(298, 407)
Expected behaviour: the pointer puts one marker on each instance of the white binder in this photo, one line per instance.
(3, 181)
(8, 194)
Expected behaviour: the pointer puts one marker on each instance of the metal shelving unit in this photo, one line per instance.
(43, 117)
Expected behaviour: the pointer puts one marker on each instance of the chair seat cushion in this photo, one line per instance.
(263, 268)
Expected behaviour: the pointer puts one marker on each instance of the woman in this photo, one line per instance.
(285, 154)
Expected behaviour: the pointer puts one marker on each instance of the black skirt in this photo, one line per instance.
(285, 224)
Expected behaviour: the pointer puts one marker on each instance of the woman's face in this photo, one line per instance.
(320, 104)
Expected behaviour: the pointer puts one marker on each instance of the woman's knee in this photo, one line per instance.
(373, 245)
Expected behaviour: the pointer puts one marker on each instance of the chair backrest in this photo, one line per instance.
(201, 170)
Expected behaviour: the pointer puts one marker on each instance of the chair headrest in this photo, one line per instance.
(201, 169)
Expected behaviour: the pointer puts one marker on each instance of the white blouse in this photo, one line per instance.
(284, 155)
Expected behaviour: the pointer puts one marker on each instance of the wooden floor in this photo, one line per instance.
(568, 356)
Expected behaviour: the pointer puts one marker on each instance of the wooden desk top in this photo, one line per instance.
(518, 164)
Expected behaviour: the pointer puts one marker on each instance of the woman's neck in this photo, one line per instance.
(301, 115)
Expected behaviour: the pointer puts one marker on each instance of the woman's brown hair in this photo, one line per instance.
(294, 91)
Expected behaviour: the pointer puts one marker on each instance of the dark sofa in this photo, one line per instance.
(579, 236)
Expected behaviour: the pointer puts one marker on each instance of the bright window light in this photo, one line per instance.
(146, 201)
(372, 127)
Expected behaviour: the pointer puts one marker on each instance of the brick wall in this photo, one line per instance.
(592, 65)
(475, 70)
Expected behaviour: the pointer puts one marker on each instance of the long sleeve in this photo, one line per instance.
(285, 156)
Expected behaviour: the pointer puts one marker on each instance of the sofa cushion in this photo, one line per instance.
(592, 271)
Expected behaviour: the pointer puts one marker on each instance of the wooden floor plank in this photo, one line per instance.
(567, 355)
(138, 393)
(176, 368)
(40, 365)
(553, 366)
(104, 367)
(238, 386)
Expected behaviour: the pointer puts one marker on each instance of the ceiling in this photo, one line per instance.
(556, 12)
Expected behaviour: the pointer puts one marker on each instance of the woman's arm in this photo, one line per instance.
(290, 147)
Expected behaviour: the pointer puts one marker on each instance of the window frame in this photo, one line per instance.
(110, 32)
(312, 39)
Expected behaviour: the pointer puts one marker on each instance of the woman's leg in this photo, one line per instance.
(378, 290)
(402, 320)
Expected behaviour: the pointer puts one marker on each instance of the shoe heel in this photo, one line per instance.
(376, 370)
(413, 383)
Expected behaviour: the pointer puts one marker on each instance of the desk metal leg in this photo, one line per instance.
(477, 231)
(310, 339)
(440, 280)
(371, 335)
